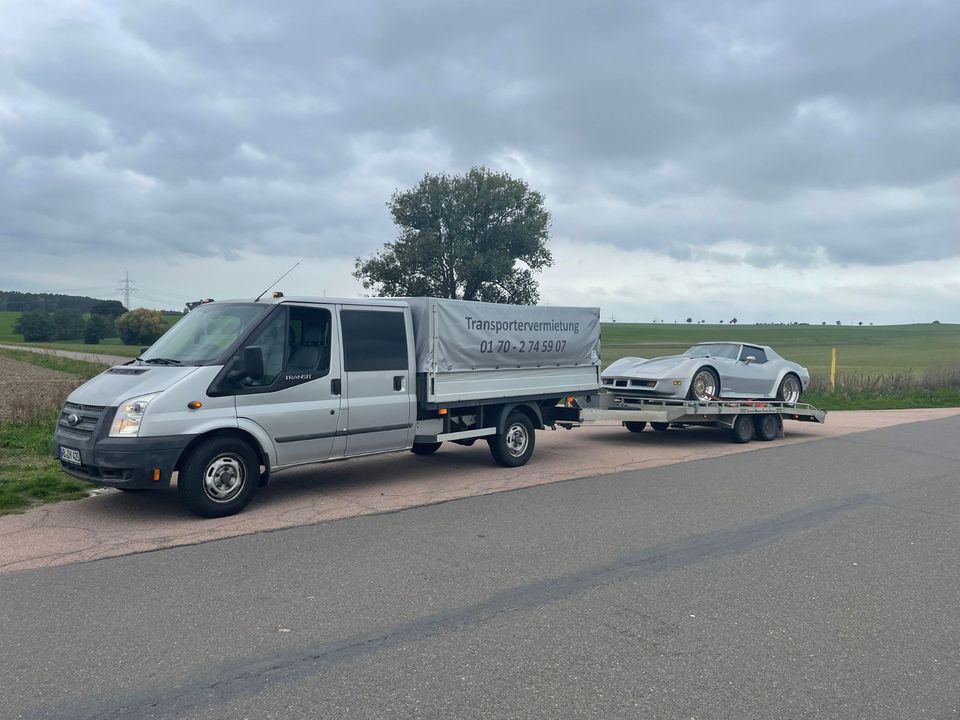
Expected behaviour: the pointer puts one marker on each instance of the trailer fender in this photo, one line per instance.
(531, 410)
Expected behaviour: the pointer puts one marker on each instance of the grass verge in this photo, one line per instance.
(29, 475)
(866, 400)
(80, 368)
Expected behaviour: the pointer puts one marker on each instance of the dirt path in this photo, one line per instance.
(118, 523)
(73, 354)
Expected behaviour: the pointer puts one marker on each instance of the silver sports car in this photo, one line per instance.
(710, 371)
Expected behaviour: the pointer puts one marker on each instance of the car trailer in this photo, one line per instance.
(745, 419)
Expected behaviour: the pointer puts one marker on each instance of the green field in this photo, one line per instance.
(107, 346)
(868, 350)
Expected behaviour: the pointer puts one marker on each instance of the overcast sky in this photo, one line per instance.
(760, 160)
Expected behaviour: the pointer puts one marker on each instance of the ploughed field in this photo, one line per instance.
(26, 390)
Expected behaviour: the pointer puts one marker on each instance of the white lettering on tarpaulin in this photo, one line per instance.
(498, 326)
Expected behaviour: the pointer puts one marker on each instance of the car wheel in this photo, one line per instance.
(425, 448)
(705, 385)
(790, 389)
(219, 477)
(742, 431)
(660, 427)
(633, 426)
(514, 446)
(767, 427)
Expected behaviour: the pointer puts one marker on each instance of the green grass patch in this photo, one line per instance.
(80, 368)
(867, 350)
(866, 400)
(29, 475)
(7, 319)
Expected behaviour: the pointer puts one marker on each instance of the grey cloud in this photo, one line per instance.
(210, 128)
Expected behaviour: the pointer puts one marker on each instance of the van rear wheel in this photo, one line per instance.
(219, 477)
(514, 445)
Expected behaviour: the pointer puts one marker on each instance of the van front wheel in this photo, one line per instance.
(219, 477)
(514, 445)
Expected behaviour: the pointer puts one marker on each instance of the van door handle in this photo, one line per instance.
(398, 382)
(335, 386)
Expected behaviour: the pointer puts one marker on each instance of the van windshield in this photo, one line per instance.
(205, 333)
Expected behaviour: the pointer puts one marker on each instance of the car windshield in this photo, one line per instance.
(717, 350)
(204, 334)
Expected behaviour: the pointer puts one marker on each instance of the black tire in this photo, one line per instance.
(700, 392)
(425, 448)
(514, 446)
(767, 427)
(790, 389)
(742, 431)
(633, 426)
(660, 427)
(219, 477)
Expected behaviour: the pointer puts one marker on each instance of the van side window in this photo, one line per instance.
(294, 342)
(373, 340)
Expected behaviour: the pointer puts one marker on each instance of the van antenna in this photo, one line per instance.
(277, 280)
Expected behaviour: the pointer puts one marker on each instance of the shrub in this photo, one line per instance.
(96, 329)
(141, 327)
(67, 325)
(35, 326)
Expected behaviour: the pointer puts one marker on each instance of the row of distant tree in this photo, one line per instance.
(137, 327)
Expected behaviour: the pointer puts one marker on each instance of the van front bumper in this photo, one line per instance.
(130, 463)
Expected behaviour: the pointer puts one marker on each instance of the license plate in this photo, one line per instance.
(70, 455)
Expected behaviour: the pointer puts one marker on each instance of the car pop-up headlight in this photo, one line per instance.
(126, 423)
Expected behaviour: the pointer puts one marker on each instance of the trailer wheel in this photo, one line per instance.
(742, 431)
(634, 426)
(219, 477)
(514, 446)
(660, 427)
(705, 385)
(425, 448)
(767, 427)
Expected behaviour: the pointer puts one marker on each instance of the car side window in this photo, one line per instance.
(760, 357)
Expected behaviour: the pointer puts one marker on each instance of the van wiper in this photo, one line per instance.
(162, 361)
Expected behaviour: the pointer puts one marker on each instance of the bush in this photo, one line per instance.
(35, 326)
(96, 329)
(67, 325)
(141, 327)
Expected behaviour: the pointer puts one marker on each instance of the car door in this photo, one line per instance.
(296, 402)
(755, 379)
(378, 390)
(723, 356)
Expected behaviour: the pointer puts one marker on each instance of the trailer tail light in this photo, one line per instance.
(156, 474)
(442, 411)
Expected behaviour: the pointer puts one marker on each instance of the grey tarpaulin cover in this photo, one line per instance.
(457, 335)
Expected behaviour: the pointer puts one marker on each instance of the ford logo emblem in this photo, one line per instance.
(73, 420)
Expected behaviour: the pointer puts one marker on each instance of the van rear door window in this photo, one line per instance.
(374, 340)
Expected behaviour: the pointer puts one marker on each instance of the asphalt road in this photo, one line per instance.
(806, 581)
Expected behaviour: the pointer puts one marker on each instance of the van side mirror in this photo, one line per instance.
(249, 364)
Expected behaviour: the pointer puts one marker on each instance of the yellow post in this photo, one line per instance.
(833, 370)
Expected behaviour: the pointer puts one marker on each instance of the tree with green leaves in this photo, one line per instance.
(478, 236)
(67, 324)
(109, 308)
(96, 328)
(35, 326)
(141, 326)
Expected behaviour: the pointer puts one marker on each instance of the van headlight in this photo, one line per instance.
(126, 423)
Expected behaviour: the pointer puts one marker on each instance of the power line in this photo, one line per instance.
(126, 289)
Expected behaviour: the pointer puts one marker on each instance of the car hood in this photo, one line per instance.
(122, 382)
(642, 367)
